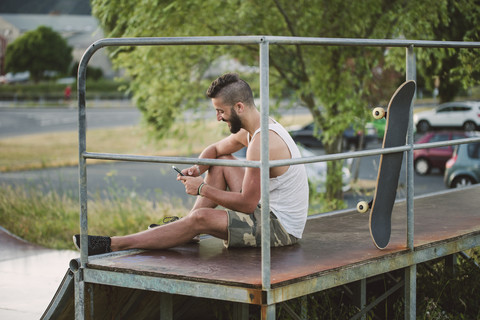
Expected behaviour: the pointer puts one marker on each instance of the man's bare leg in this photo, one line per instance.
(204, 220)
(221, 178)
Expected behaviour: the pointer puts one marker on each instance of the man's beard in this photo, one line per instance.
(235, 122)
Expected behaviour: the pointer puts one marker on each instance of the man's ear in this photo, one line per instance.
(239, 107)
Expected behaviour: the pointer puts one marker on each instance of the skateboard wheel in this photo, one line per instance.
(362, 206)
(378, 113)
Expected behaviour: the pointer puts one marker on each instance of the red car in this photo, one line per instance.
(427, 159)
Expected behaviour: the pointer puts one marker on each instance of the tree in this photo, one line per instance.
(337, 84)
(450, 70)
(38, 51)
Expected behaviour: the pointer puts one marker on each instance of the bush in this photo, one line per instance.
(52, 91)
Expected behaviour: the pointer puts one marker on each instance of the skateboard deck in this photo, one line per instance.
(397, 116)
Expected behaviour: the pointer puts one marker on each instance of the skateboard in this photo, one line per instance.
(397, 116)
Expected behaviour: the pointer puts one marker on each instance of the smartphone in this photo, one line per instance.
(176, 169)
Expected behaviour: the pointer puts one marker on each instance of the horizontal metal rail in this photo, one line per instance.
(250, 40)
(275, 163)
(173, 160)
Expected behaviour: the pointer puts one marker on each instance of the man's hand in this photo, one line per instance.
(193, 171)
(191, 184)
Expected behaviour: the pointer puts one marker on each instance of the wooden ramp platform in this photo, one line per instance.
(336, 249)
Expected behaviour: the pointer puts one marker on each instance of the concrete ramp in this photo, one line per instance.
(111, 302)
(63, 303)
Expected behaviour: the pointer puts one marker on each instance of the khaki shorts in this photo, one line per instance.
(244, 230)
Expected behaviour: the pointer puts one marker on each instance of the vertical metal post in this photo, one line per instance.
(265, 176)
(411, 292)
(79, 294)
(265, 187)
(82, 168)
(411, 271)
(360, 295)
(304, 308)
(240, 311)
(411, 75)
(166, 306)
(268, 312)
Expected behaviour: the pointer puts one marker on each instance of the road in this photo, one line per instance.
(21, 121)
(154, 180)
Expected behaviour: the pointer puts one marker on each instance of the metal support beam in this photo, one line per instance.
(166, 306)
(240, 311)
(79, 292)
(304, 308)
(451, 264)
(359, 290)
(265, 168)
(411, 271)
(268, 312)
(411, 292)
(411, 75)
(372, 305)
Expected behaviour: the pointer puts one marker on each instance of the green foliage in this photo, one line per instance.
(318, 201)
(446, 293)
(92, 72)
(448, 20)
(337, 84)
(38, 51)
(168, 80)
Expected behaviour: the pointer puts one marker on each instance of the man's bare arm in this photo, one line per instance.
(226, 146)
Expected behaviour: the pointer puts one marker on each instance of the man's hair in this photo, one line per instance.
(231, 89)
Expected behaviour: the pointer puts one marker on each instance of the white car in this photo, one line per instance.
(317, 172)
(464, 115)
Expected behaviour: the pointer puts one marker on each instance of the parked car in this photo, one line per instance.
(464, 115)
(427, 159)
(316, 172)
(464, 167)
(351, 137)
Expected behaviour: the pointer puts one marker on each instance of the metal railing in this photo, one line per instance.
(264, 43)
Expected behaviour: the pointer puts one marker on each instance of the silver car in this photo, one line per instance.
(463, 168)
(464, 115)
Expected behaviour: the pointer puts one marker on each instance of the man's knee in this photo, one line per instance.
(199, 218)
(204, 220)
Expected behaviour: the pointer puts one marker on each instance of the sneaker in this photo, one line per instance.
(96, 244)
(167, 220)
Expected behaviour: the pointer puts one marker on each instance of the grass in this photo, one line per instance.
(47, 150)
(50, 219)
(57, 149)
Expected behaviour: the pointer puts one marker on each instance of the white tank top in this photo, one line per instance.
(289, 191)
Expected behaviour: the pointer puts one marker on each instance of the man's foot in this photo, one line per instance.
(96, 244)
(167, 220)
